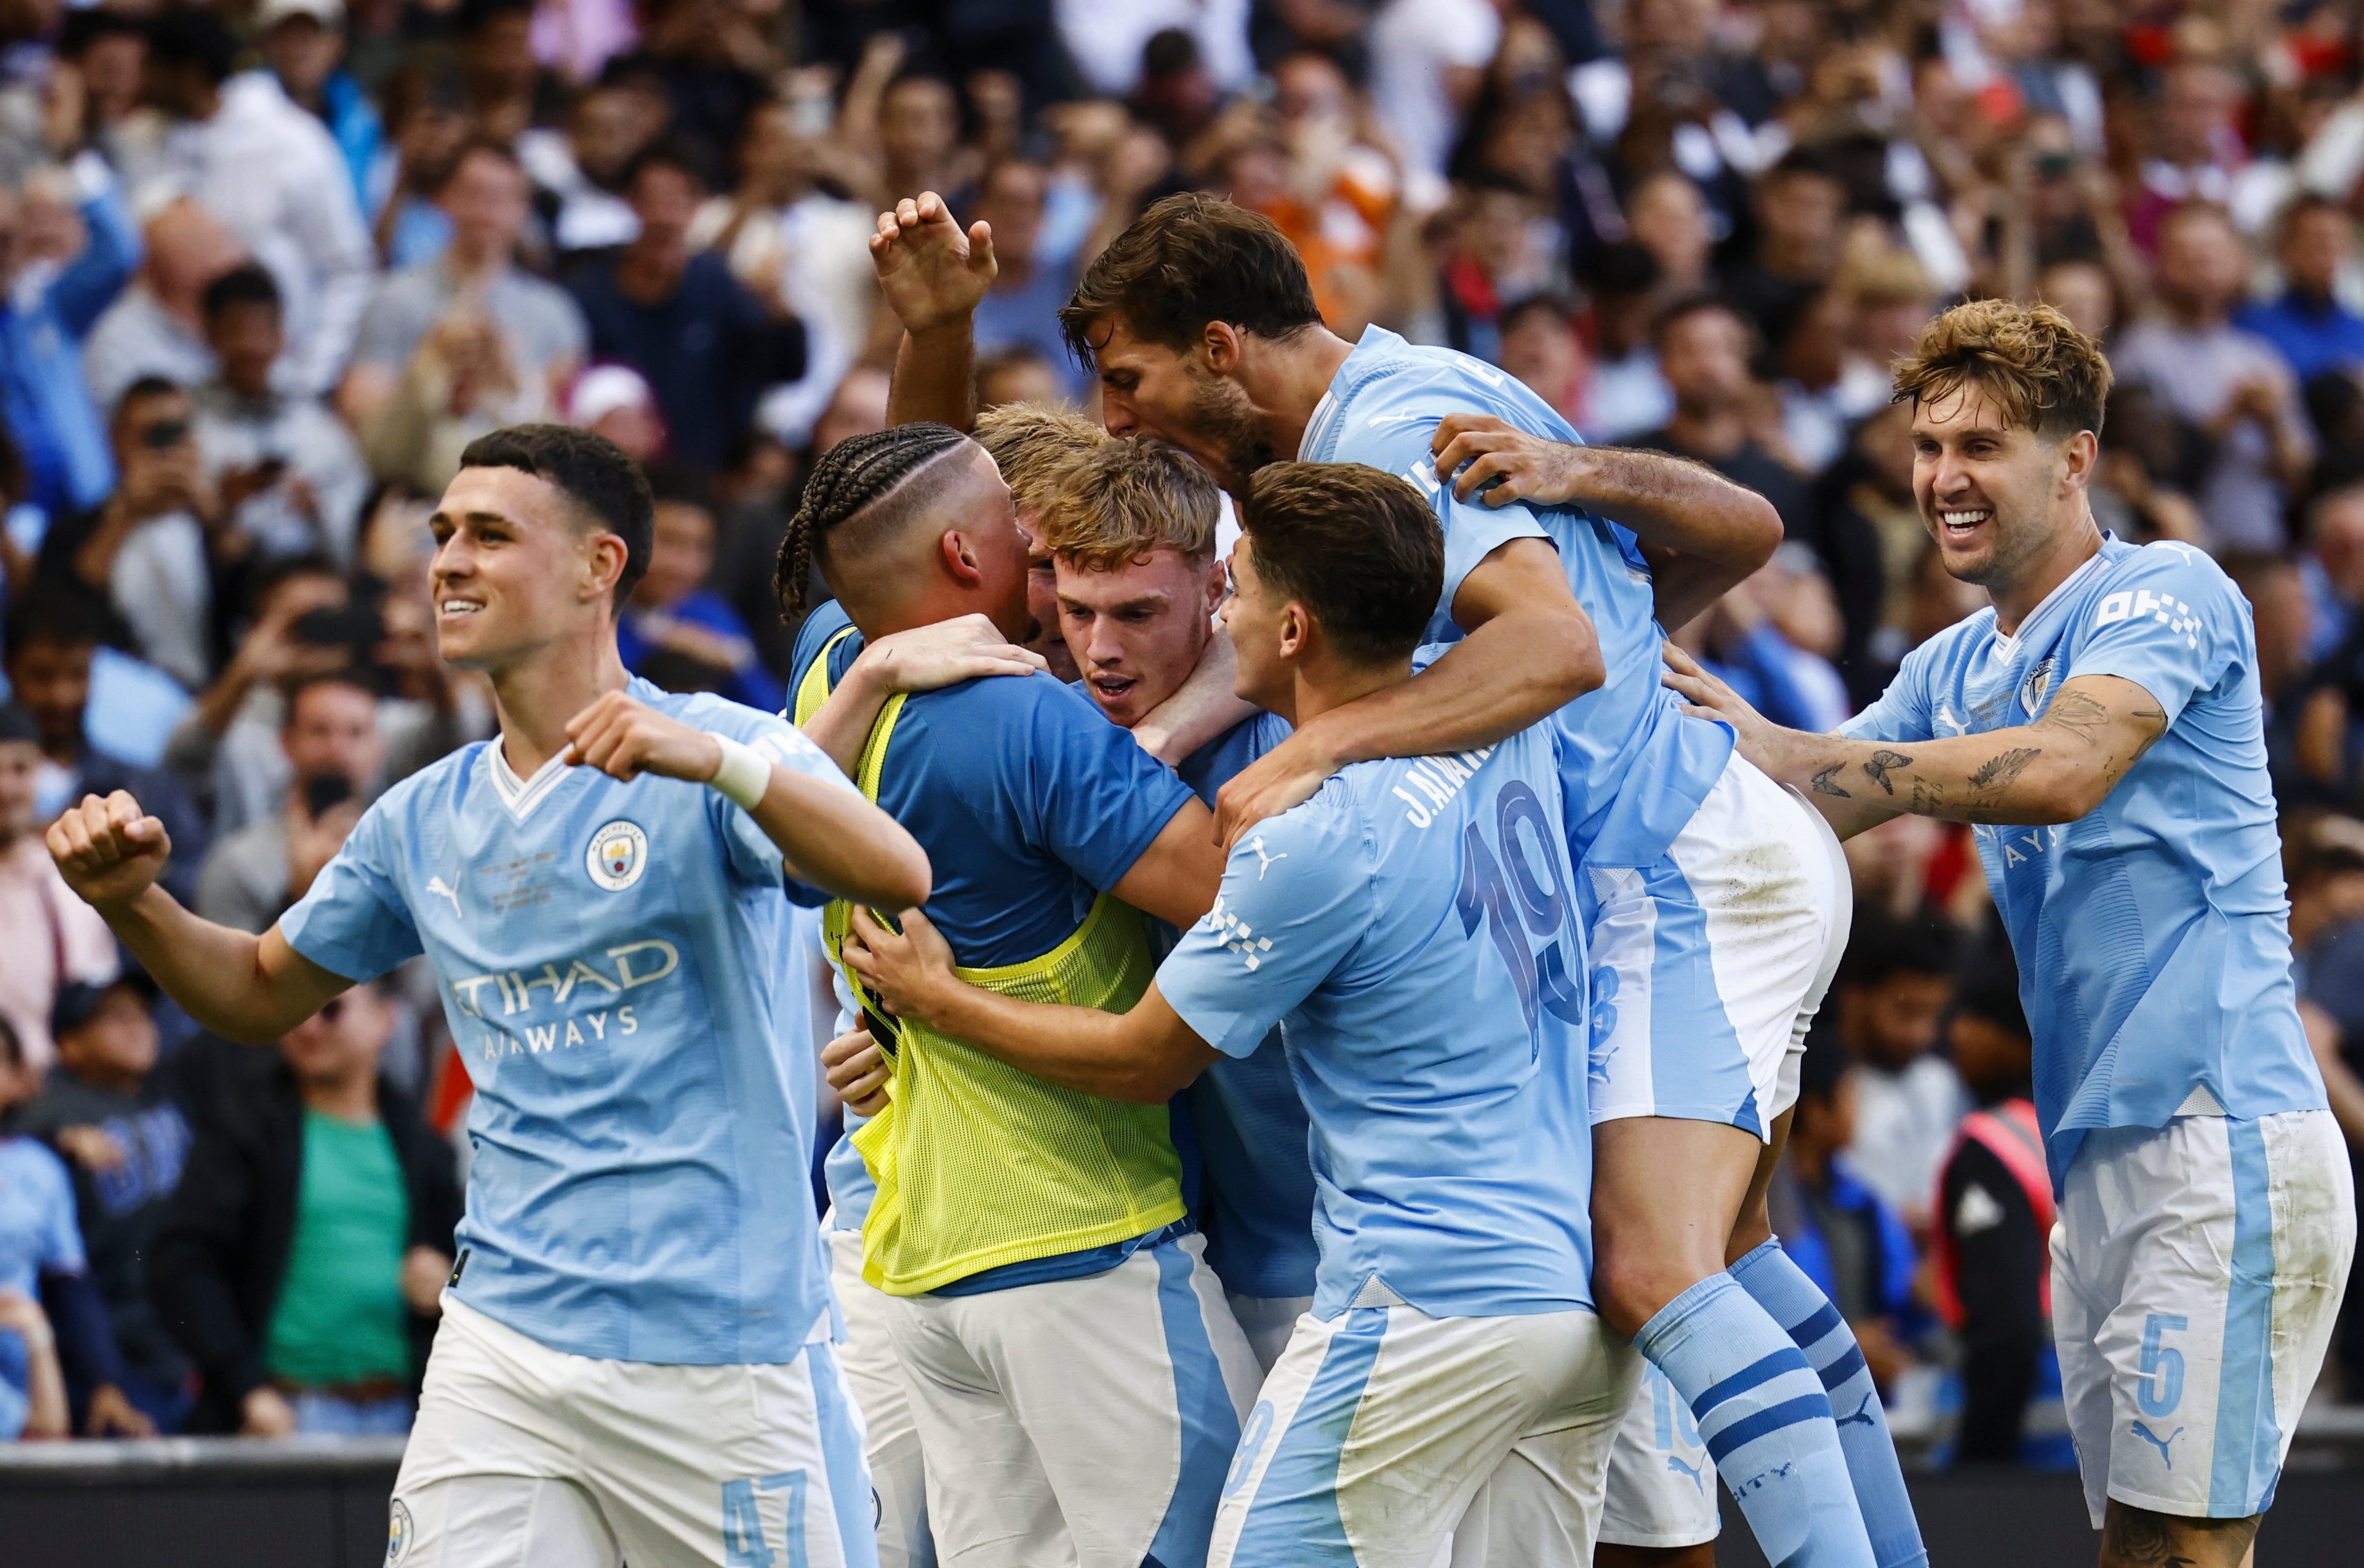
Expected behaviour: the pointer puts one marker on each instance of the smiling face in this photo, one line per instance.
(514, 572)
(1149, 389)
(1990, 492)
(1136, 632)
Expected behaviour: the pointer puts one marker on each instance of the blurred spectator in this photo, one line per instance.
(1845, 1238)
(1668, 217)
(125, 1144)
(674, 629)
(1021, 309)
(1865, 529)
(53, 940)
(303, 1262)
(707, 346)
(2085, 293)
(1774, 637)
(1894, 986)
(615, 400)
(578, 175)
(46, 311)
(1990, 1238)
(39, 1235)
(1628, 395)
(508, 90)
(2197, 154)
(1106, 41)
(1824, 389)
(1703, 352)
(157, 328)
(466, 342)
(281, 464)
(1490, 260)
(335, 759)
(2308, 326)
(1800, 205)
(426, 130)
(104, 52)
(1018, 374)
(271, 172)
(225, 750)
(157, 555)
(51, 644)
(704, 54)
(1540, 347)
(2229, 385)
(1428, 58)
(303, 42)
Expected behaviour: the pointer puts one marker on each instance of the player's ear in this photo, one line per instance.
(2078, 455)
(1220, 342)
(960, 558)
(1215, 581)
(1295, 629)
(604, 556)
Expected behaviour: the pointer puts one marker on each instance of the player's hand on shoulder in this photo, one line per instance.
(857, 1071)
(108, 850)
(929, 658)
(1478, 450)
(907, 970)
(624, 738)
(933, 271)
(1289, 774)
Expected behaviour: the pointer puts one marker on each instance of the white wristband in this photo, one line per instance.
(743, 775)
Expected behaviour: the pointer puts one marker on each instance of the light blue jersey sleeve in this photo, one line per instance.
(62, 1250)
(753, 858)
(2170, 624)
(1904, 711)
(1473, 530)
(1296, 898)
(353, 920)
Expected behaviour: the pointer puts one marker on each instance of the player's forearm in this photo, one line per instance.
(835, 841)
(1514, 671)
(935, 377)
(841, 724)
(2019, 775)
(1679, 505)
(1201, 709)
(219, 975)
(1081, 1049)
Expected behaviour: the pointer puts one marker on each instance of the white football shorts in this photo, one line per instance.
(1662, 1488)
(2197, 1270)
(898, 1475)
(1709, 965)
(1083, 1422)
(527, 1457)
(1389, 1439)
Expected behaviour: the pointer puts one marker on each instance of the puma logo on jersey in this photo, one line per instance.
(1676, 1465)
(2158, 1442)
(1264, 861)
(1862, 1413)
(437, 887)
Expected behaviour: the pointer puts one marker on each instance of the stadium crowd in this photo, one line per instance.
(266, 268)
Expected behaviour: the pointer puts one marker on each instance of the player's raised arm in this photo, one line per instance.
(932, 273)
(238, 984)
(1529, 650)
(922, 659)
(1702, 533)
(2057, 769)
(828, 835)
(1147, 1055)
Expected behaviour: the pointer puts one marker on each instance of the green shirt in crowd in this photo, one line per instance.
(340, 1317)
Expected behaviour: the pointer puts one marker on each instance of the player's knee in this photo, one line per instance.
(1632, 1282)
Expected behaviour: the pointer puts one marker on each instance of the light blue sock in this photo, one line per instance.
(1781, 1287)
(1766, 1420)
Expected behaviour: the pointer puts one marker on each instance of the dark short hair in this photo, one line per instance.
(68, 620)
(1882, 946)
(475, 146)
(1356, 546)
(673, 151)
(1621, 267)
(194, 36)
(249, 283)
(593, 472)
(850, 476)
(1699, 304)
(1189, 260)
(358, 677)
(141, 391)
(88, 25)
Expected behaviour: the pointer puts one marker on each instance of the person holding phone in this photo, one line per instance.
(338, 758)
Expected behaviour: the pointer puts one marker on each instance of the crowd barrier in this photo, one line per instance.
(306, 1503)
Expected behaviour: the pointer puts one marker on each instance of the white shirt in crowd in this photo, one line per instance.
(1904, 1123)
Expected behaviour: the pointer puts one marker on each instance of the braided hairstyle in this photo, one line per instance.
(851, 475)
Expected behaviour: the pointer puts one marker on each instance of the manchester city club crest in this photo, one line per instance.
(2037, 687)
(398, 1534)
(618, 854)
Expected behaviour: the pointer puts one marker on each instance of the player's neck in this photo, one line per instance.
(2077, 540)
(1287, 381)
(1323, 684)
(535, 697)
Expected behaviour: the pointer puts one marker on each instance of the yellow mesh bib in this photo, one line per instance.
(979, 1164)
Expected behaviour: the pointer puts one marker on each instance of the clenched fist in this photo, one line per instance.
(110, 850)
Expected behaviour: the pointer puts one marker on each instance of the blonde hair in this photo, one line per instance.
(2043, 374)
(1126, 500)
(1033, 445)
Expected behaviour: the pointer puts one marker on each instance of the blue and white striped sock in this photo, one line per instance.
(1779, 1286)
(1766, 1420)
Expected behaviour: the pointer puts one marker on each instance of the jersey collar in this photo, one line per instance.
(2051, 602)
(521, 795)
(1374, 341)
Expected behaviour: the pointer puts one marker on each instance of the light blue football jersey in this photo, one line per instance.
(1413, 930)
(1634, 766)
(2152, 933)
(615, 962)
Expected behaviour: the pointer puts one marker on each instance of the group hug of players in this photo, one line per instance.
(1324, 1112)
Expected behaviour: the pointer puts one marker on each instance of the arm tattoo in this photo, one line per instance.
(1928, 799)
(1998, 771)
(1826, 781)
(1881, 764)
(2077, 713)
(2133, 1535)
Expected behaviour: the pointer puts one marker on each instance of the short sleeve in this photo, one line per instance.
(754, 859)
(1096, 798)
(2170, 623)
(354, 921)
(1296, 898)
(1902, 712)
(1473, 531)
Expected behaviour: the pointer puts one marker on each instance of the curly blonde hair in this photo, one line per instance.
(1128, 499)
(2043, 374)
(1033, 445)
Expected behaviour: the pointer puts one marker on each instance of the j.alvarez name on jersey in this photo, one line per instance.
(1439, 779)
